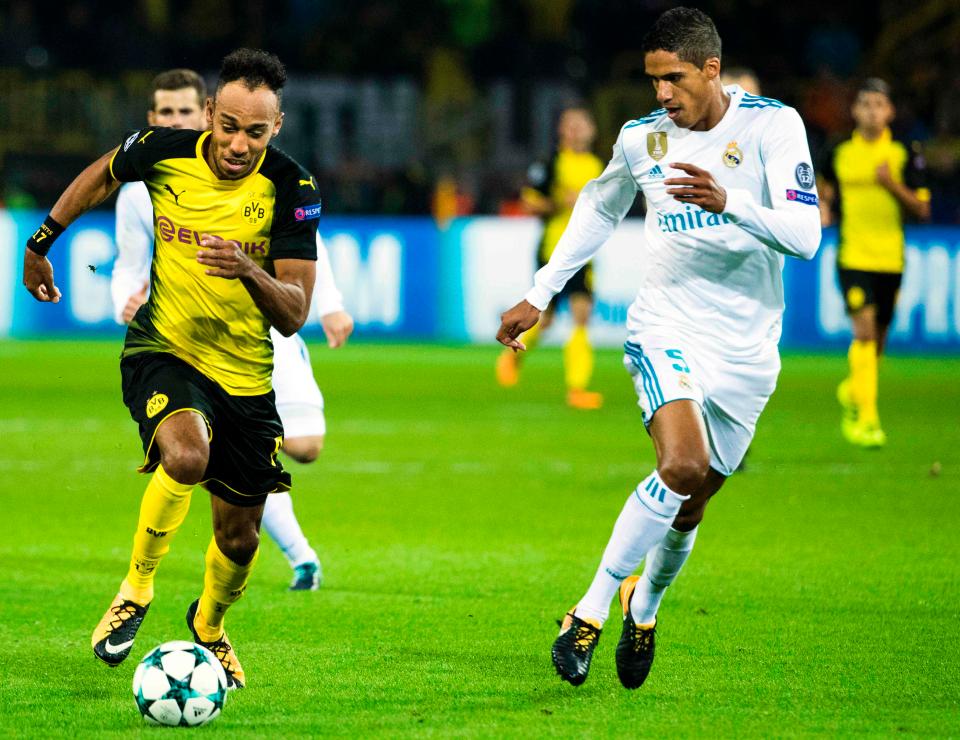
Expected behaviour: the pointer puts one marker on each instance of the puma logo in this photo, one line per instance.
(176, 196)
(310, 182)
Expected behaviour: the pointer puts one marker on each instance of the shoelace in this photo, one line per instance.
(122, 612)
(642, 639)
(584, 638)
(222, 650)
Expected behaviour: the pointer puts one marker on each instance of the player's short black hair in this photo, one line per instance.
(178, 79)
(875, 85)
(687, 32)
(255, 68)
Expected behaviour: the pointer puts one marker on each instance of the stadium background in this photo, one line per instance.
(433, 113)
(420, 120)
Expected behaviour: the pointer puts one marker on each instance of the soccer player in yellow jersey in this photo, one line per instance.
(552, 193)
(878, 180)
(235, 252)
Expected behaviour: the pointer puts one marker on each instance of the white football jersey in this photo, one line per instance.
(708, 277)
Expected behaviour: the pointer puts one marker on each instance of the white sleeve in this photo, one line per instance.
(792, 225)
(326, 296)
(134, 236)
(600, 208)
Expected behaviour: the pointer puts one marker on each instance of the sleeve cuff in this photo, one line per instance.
(328, 307)
(538, 297)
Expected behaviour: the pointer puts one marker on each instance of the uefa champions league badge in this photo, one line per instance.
(804, 173)
(732, 156)
(657, 144)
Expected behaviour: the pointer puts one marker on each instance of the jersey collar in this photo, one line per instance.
(886, 136)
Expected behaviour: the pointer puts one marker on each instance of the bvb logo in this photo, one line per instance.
(156, 404)
(856, 298)
(253, 211)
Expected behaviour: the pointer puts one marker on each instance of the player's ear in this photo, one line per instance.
(208, 112)
(711, 68)
(151, 118)
(278, 123)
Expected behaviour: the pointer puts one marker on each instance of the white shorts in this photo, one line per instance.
(731, 392)
(299, 400)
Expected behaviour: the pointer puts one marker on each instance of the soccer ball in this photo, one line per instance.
(180, 683)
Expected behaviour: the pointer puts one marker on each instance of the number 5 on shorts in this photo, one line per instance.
(680, 365)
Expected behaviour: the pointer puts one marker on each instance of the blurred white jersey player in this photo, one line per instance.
(177, 98)
(730, 191)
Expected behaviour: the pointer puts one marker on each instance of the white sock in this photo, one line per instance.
(663, 563)
(645, 519)
(282, 525)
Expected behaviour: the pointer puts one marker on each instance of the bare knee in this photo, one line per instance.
(692, 510)
(237, 540)
(185, 463)
(304, 449)
(684, 473)
(184, 445)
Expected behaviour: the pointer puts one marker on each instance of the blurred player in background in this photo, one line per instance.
(234, 254)
(742, 77)
(878, 178)
(703, 330)
(551, 194)
(177, 100)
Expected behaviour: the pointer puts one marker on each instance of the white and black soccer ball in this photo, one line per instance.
(180, 683)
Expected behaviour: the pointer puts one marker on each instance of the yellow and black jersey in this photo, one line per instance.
(567, 172)
(210, 322)
(871, 224)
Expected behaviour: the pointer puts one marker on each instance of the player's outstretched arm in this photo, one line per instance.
(336, 322)
(283, 299)
(90, 188)
(599, 209)
(515, 322)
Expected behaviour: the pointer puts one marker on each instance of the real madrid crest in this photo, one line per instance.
(657, 144)
(732, 157)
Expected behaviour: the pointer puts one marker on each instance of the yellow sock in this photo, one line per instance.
(223, 584)
(864, 380)
(531, 336)
(164, 507)
(578, 359)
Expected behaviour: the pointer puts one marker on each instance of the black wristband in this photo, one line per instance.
(44, 237)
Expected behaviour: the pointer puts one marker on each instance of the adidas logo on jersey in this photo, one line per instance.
(656, 173)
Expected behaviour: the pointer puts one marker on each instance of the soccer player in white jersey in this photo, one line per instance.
(729, 191)
(176, 99)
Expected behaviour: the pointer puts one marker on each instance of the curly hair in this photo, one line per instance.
(253, 67)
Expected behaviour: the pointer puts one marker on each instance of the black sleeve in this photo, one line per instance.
(827, 170)
(296, 209)
(540, 176)
(144, 148)
(915, 170)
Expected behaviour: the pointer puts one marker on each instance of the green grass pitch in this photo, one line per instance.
(456, 521)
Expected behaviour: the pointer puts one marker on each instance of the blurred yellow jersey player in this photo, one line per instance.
(878, 179)
(551, 193)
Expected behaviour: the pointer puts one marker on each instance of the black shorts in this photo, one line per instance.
(581, 282)
(862, 288)
(245, 431)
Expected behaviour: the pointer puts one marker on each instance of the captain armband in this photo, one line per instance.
(44, 237)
